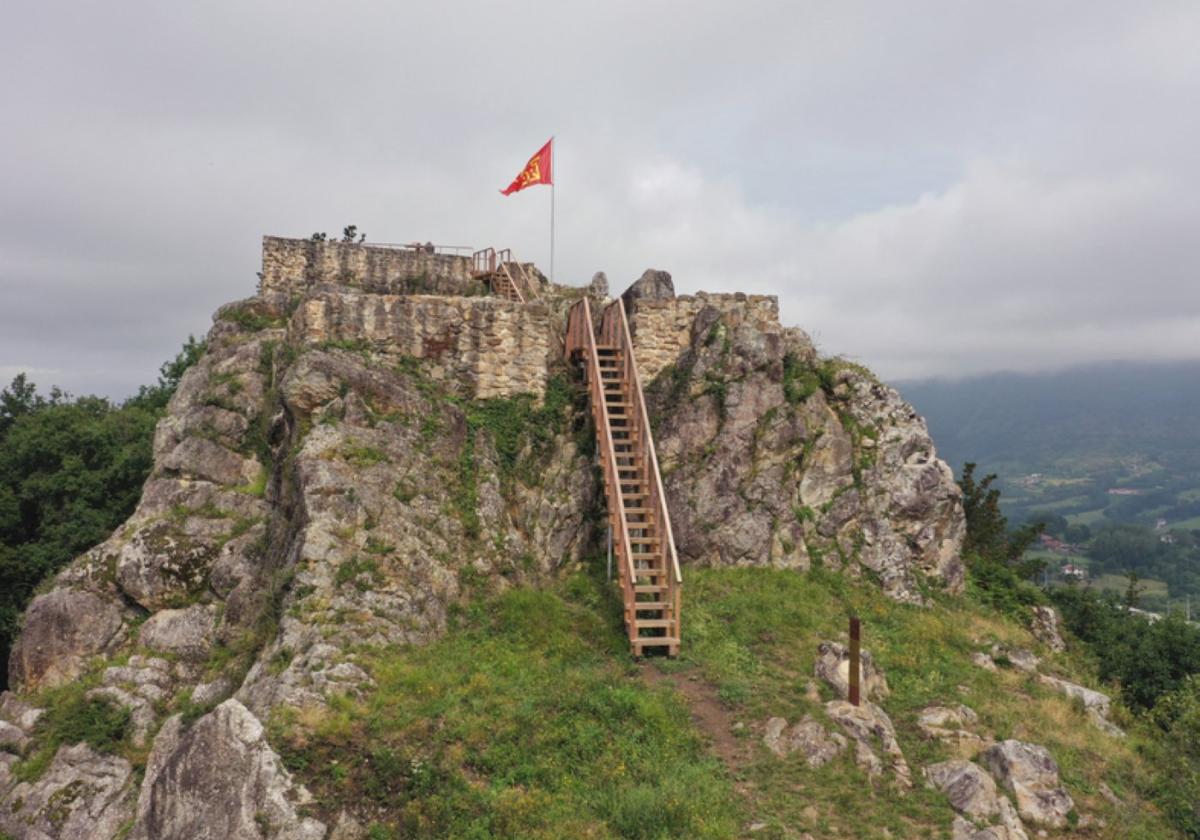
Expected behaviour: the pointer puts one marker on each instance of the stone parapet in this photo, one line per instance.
(489, 346)
(662, 329)
(292, 266)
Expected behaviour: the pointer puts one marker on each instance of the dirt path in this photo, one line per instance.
(708, 714)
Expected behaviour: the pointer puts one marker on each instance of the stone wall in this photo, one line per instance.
(489, 346)
(291, 266)
(662, 329)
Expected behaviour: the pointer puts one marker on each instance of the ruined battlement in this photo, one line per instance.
(292, 266)
(662, 328)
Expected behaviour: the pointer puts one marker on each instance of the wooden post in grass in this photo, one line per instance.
(855, 668)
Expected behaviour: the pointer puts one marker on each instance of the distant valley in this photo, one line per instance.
(1108, 455)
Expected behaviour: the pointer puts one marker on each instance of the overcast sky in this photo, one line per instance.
(930, 188)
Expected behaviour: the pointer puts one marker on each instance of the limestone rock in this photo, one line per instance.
(17, 711)
(1045, 628)
(1030, 773)
(652, 285)
(1019, 658)
(187, 633)
(598, 288)
(63, 629)
(202, 458)
(763, 466)
(868, 724)
(984, 661)
(818, 745)
(970, 790)
(1096, 704)
(83, 795)
(833, 666)
(219, 779)
(12, 738)
(949, 723)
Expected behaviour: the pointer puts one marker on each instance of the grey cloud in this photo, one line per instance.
(929, 187)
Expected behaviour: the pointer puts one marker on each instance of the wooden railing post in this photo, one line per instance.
(855, 665)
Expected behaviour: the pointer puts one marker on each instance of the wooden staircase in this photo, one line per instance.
(503, 275)
(647, 564)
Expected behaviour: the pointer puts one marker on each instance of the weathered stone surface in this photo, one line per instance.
(12, 738)
(1030, 773)
(833, 666)
(201, 458)
(950, 723)
(818, 745)
(17, 711)
(970, 790)
(868, 725)
(62, 630)
(186, 633)
(219, 780)
(598, 288)
(1019, 658)
(1096, 704)
(1045, 628)
(652, 285)
(763, 467)
(984, 661)
(82, 796)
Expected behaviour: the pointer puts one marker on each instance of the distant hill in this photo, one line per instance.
(1061, 441)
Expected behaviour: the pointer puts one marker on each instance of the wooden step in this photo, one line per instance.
(651, 605)
(652, 623)
(649, 588)
(671, 643)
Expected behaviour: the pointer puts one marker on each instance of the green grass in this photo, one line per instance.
(753, 634)
(72, 718)
(527, 720)
(1119, 583)
(1088, 517)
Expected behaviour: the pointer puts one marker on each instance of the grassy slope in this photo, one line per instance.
(529, 720)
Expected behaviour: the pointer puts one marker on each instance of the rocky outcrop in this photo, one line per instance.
(219, 779)
(970, 790)
(1045, 628)
(809, 738)
(871, 729)
(950, 723)
(83, 795)
(63, 629)
(1030, 773)
(652, 285)
(772, 456)
(833, 666)
(354, 454)
(1096, 704)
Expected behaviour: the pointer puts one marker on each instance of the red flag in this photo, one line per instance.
(539, 170)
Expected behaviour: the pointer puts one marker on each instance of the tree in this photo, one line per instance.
(156, 397)
(988, 536)
(71, 470)
(995, 557)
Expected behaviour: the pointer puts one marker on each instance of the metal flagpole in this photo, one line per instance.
(553, 180)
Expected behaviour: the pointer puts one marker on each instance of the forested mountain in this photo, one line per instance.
(1074, 418)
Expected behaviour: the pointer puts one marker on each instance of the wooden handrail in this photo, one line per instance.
(504, 268)
(656, 488)
(581, 335)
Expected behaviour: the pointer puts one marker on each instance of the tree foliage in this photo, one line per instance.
(995, 555)
(71, 470)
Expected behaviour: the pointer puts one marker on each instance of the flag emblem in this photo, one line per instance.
(539, 170)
